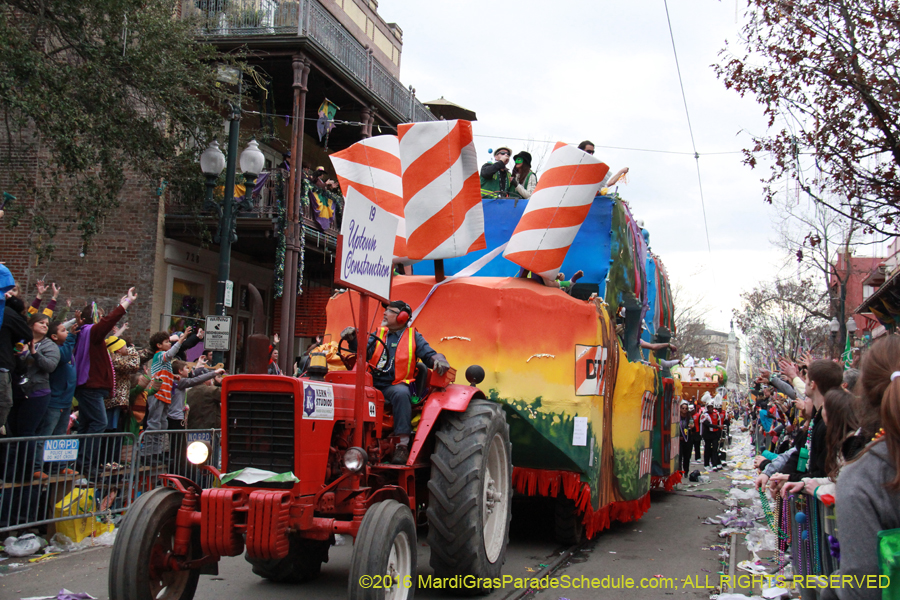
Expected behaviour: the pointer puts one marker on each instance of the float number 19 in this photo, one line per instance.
(372, 214)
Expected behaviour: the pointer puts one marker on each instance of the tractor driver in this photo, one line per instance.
(396, 368)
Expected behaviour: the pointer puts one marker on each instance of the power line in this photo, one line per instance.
(690, 129)
(534, 141)
(506, 137)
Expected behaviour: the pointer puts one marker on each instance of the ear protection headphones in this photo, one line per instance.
(404, 315)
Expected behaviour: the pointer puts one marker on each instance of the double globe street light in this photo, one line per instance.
(212, 163)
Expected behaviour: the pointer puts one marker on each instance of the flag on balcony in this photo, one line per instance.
(441, 190)
(372, 167)
(325, 124)
(556, 210)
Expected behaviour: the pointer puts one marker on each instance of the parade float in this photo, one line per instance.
(592, 416)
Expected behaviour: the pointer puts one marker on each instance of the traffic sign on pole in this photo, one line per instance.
(218, 333)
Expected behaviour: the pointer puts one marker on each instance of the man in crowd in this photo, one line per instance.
(495, 175)
(392, 352)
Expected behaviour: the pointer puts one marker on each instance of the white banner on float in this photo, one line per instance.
(368, 233)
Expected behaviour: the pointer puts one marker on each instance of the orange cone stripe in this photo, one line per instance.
(441, 190)
(556, 210)
(372, 167)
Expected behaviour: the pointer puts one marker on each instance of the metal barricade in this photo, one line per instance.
(90, 480)
(49, 479)
(811, 524)
(165, 452)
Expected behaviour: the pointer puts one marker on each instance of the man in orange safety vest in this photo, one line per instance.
(392, 352)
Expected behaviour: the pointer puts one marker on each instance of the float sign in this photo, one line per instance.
(318, 401)
(57, 450)
(366, 246)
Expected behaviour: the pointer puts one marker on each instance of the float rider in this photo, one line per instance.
(495, 176)
(394, 370)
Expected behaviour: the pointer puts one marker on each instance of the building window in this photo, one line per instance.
(188, 304)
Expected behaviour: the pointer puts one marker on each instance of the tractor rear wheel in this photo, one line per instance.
(303, 562)
(469, 493)
(383, 566)
(138, 569)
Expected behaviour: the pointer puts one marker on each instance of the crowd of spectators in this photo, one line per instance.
(834, 433)
(65, 371)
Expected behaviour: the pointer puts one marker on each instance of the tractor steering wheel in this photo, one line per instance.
(347, 356)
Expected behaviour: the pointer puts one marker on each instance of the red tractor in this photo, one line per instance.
(333, 433)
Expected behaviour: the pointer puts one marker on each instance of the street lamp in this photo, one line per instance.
(252, 163)
(834, 327)
(212, 163)
(851, 325)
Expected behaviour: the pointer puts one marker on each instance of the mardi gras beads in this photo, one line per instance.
(769, 517)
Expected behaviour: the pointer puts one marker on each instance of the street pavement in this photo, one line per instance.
(668, 547)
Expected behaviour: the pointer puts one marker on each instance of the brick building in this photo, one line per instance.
(303, 53)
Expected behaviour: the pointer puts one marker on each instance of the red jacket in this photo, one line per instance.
(101, 374)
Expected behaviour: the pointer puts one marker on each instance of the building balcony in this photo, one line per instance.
(257, 227)
(307, 23)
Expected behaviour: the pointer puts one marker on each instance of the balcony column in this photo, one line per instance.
(365, 129)
(293, 221)
(372, 112)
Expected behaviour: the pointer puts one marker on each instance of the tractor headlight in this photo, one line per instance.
(198, 452)
(355, 459)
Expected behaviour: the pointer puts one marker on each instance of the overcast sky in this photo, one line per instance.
(571, 70)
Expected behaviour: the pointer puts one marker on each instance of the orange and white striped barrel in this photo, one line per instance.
(556, 210)
(441, 190)
(372, 167)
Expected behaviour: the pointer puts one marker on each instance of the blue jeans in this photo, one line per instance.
(56, 421)
(28, 420)
(400, 398)
(91, 419)
(91, 409)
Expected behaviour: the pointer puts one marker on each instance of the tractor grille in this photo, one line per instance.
(260, 431)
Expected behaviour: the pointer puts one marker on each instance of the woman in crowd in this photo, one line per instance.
(523, 180)
(868, 488)
(42, 360)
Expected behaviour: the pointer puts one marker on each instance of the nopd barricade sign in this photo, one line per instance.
(58, 450)
(366, 247)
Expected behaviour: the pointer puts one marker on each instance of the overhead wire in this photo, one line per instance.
(690, 128)
(517, 139)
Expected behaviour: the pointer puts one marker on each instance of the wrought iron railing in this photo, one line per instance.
(266, 205)
(306, 18)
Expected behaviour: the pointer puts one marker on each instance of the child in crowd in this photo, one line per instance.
(62, 383)
(177, 409)
(158, 403)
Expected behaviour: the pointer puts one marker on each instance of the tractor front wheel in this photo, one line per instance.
(303, 562)
(469, 493)
(140, 567)
(383, 566)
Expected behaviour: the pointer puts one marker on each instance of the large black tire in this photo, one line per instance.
(469, 493)
(568, 527)
(383, 566)
(146, 536)
(303, 562)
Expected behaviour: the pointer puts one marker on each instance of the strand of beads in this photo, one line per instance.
(785, 522)
(814, 533)
(769, 516)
